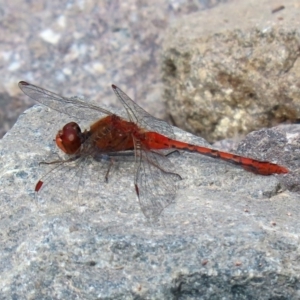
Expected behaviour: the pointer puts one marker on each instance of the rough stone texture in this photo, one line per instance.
(230, 234)
(81, 47)
(233, 69)
(283, 143)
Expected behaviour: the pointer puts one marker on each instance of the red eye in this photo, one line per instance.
(69, 138)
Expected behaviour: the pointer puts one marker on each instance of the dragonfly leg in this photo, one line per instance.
(111, 162)
(172, 152)
(58, 161)
(172, 173)
(162, 169)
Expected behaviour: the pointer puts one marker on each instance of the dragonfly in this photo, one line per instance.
(140, 133)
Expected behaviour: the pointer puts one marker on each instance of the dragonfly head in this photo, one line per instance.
(68, 139)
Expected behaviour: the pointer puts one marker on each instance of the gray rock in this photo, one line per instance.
(230, 234)
(233, 69)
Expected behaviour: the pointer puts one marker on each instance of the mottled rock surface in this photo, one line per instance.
(229, 232)
(233, 69)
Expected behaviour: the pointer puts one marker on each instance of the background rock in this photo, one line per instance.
(233, 69)
(83, 47)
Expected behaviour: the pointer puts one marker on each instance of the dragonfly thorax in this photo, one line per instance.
(113, 133)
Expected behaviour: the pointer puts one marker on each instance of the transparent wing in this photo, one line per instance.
(67, 184)
(139, 116)
(72, 107)
(155, 181)
(62, 184)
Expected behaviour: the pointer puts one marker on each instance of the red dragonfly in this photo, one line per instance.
(141, 133)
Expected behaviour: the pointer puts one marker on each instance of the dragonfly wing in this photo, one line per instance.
(60, 187)
(139, 116)
(154, 181)
(69, 106)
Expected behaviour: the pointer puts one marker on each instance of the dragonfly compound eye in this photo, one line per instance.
(69, 138)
